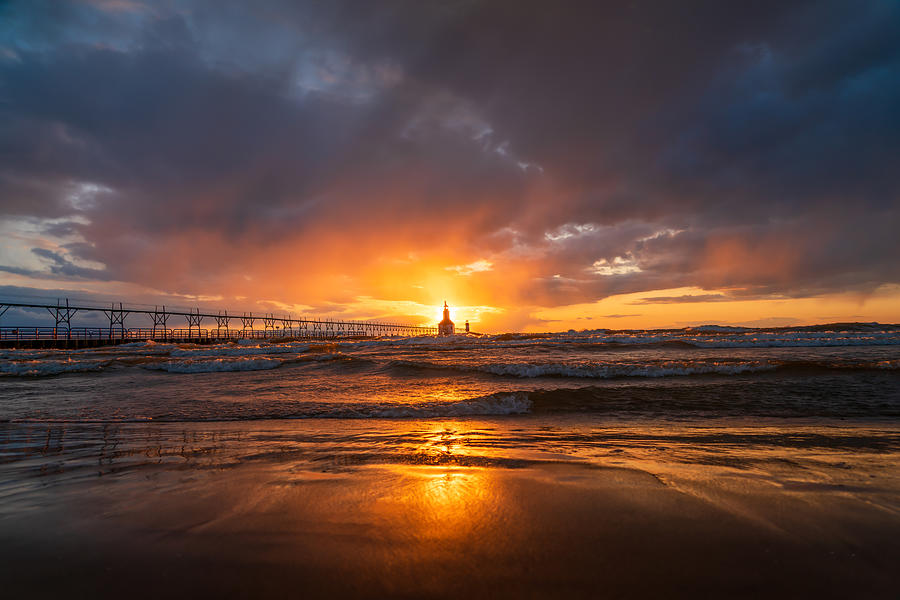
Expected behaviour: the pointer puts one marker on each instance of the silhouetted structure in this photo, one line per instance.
(64, 335)
(445, 327)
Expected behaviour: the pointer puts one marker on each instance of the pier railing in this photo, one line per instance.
(142, 334)
(225, 325)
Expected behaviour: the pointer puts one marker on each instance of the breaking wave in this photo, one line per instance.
(38, 368)
(498, 404)
(215, 365)
(651, 370)
(610, 371)
(206, 364)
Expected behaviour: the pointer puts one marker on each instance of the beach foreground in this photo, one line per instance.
(450, 508)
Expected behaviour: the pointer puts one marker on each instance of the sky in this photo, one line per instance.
(542, 166)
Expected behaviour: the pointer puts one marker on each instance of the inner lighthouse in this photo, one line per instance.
(445, 327)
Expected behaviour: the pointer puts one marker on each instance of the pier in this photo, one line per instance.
(62, 334)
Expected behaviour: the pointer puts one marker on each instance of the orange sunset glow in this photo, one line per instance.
(450, 299)
(375, 188)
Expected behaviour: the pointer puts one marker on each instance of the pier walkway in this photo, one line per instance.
(227, 327)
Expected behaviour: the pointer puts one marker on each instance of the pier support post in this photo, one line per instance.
(116, 316)
(288, 323)
(159, 318)
(247, 322)
(222, 321)
(194, 319)
(269, 322)
(62, 314)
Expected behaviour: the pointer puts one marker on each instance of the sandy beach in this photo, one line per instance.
(286, 509)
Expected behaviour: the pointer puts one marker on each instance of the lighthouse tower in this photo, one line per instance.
(445, 327)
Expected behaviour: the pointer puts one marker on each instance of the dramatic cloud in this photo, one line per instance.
(683, 299)
(515, 156)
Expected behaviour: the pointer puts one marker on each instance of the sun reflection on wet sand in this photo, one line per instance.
(452, 508)
(441, 503)
(437, 498)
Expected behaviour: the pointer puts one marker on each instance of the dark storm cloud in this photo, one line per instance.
(607, 147)
(18, 270)
(63, 266)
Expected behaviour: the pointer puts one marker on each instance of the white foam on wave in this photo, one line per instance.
(26, 354)
(233, 350)
(418, 342)
(602, 370)
(797, 341)
(39, 368)
(708, 336)
(608, 371)
(212, 364)
(215, 365)
(655, 369)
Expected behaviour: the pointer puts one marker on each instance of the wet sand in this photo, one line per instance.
(284, 510)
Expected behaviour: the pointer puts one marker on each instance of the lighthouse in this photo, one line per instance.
(445, 327)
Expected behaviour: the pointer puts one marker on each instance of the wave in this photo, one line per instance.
(798, 342)
(840, 327)
(649, 370)
(240, 350)
(184, 364)
(763, 399)
(766, 398)
(206, 364)
(745, 340)
(214, 365)
(518, 370)
(39, 368)
(629, 345)
(503, 337)
(498, 404)
(718, 329)
(705, 336)
(711, 336)
(610, 371)
(687, 338)
(596, 371)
